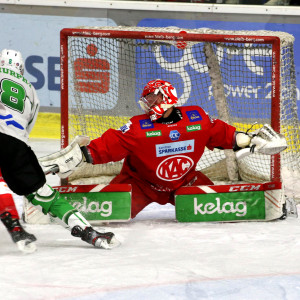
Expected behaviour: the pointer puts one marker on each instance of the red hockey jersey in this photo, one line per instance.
(160, 154)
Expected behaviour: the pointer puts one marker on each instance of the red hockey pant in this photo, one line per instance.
(143, 194)
(6, 200)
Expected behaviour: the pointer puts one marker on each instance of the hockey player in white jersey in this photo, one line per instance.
(19, 105)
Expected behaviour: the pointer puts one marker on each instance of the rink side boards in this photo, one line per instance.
(223, 203)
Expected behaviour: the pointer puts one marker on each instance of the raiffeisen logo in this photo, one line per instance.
(239, 208)
(174, 135)
(194, 115)
(146, 124)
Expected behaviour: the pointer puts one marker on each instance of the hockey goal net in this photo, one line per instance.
(241, 77)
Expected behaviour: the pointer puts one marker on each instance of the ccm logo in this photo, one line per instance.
(66, 189)
(69, 159)
(245, 188)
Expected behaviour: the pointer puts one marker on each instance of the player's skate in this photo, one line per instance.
(105, 240)
(24, 240)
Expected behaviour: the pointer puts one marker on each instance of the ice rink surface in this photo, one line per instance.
(158, 259)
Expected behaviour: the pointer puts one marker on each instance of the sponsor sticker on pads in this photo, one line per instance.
(220, 207)
(102, 206)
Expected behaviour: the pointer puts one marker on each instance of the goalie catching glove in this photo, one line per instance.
(263, 140)
(65, 161)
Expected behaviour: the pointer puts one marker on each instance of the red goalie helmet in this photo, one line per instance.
(158, 96)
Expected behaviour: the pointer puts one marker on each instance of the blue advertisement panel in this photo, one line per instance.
(259, 88)
(244, 75)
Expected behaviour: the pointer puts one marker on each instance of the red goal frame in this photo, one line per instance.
(176, 37)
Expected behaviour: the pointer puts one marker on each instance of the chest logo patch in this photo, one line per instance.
(146, 124)
(194, 115)
(195, 127)
(175, 148)
(153, 133)
(174, 135)
(174, 168)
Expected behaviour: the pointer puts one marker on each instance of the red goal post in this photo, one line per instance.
(237, 76)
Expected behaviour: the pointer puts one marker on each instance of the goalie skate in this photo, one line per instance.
(24, 240)
(104, 240)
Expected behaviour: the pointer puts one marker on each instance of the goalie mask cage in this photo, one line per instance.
(240, 77)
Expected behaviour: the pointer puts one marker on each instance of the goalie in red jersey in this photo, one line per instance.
(161, 148)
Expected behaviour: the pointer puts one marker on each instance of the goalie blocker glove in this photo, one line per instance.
(66, 161)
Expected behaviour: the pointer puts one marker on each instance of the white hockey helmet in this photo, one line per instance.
(12, 59)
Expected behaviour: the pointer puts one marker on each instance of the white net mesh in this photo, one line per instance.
(228, 73)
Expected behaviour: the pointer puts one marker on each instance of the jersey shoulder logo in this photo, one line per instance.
(125, 127)
(194, 115)
(146, 124)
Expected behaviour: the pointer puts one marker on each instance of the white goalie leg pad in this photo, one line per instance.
(274, 204)
(65, 161)
(33, 214)
(291, 208)
(279, 206)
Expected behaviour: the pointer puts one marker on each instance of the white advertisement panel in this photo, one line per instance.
(37, 37)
